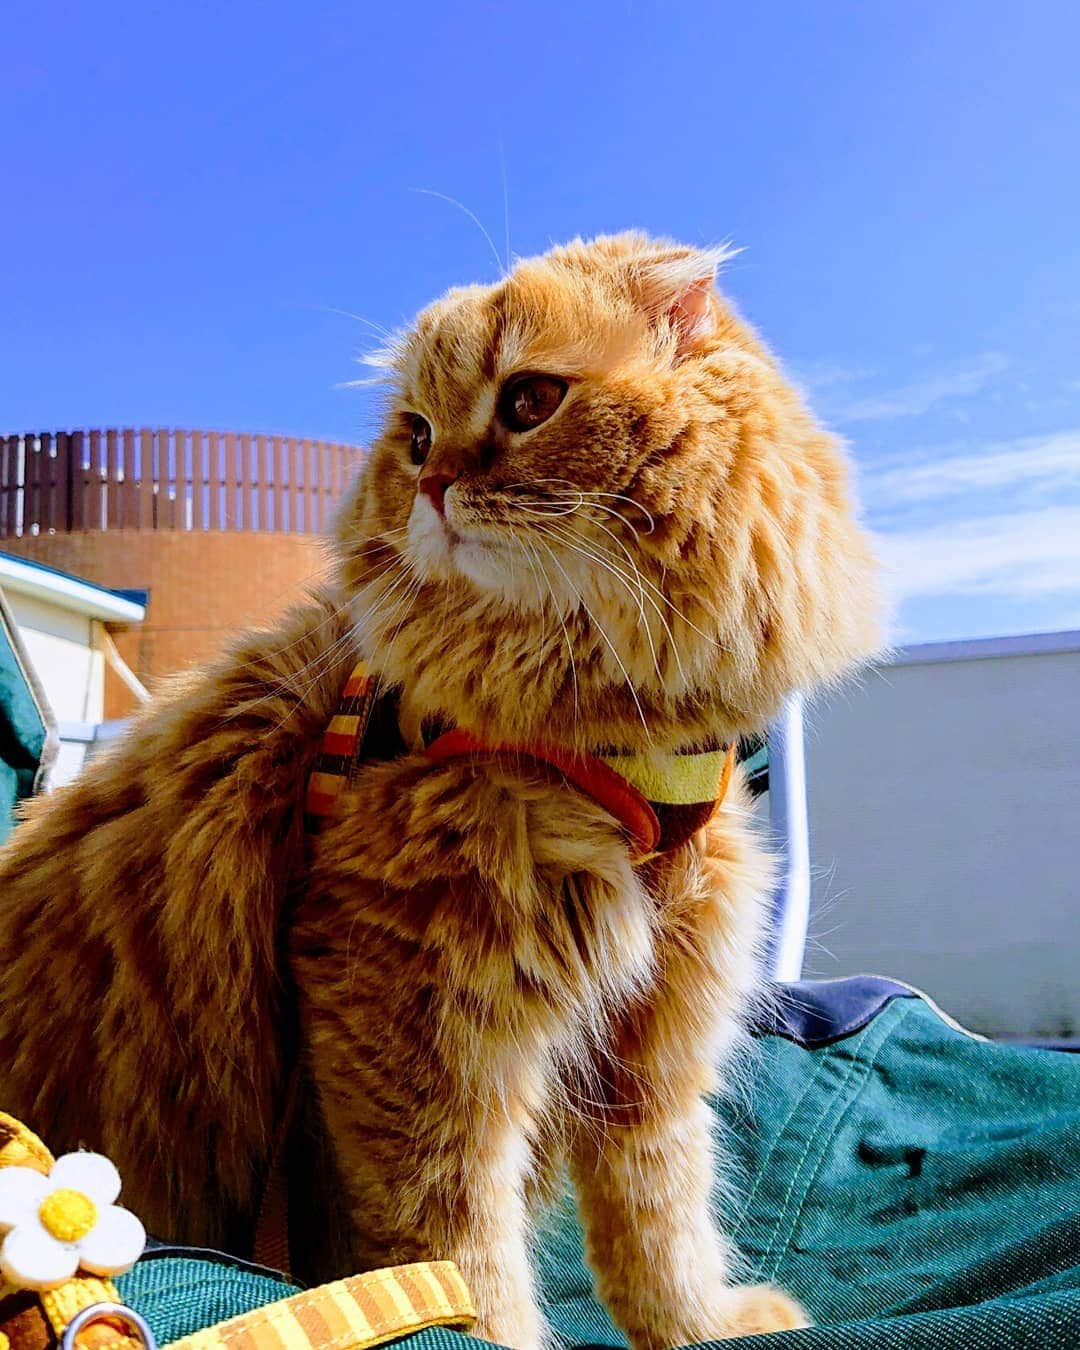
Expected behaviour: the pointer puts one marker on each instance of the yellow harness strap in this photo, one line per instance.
(352, 1314)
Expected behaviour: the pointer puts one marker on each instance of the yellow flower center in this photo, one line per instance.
(68, 1215)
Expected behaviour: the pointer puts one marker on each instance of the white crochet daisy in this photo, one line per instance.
(57, 1223)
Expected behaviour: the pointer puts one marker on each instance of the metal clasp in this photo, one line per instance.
(97, 1312)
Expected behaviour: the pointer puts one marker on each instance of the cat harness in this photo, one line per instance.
(660, 800)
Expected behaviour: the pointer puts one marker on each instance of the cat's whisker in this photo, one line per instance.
(593, 492)
(562, 620)
(553, 508)
(359, 318)
(510, 559)
(392, 579)
(541, 508)
(642, 580)
(382, 612)
(405, 606)
(611, 646)
(529, 558)
(556, 607)
(709, 637)
(662, 595)
(568, 542)
(506, 204)
(319, 573)
(287, 686)
(289, 646)
(453, 201)
(399, 566)
(321, 664)
(622, 497)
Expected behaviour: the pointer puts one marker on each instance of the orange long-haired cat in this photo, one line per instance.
(596, 518)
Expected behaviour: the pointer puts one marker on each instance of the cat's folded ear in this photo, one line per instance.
(676, 287)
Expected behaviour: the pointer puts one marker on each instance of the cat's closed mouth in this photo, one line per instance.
(460, 542)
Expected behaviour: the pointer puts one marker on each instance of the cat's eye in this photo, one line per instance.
(421, 440)
(529, 400)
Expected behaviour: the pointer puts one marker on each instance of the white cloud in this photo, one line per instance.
(961, 520)
(827, 375)
(911, 400)
(1044, 464)
(1025, 554)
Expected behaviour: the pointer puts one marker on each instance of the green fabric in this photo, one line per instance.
(754, 758)
(918, 1189)
(913, 1186)
(179, 1295)
(22, 734)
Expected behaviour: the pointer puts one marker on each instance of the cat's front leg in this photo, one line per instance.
(645, 1172)
(427, 1110)
(661, 1265)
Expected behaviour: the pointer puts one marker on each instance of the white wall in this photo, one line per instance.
(944, 805)
(59, 643)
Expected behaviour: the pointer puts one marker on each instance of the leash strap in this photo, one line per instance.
(352, 1314)
(271, 1243)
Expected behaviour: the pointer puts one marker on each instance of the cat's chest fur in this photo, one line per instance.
(518, 887)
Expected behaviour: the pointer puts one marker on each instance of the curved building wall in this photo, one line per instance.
(203, 522)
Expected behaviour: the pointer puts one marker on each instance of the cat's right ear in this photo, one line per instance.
(693, 315)
(677, 287)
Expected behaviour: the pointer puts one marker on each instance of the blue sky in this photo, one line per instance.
(192, 192)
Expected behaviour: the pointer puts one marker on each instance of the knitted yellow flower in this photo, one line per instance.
(54, 1224)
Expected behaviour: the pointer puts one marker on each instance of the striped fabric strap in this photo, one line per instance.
(351, 1314)
(342, 744)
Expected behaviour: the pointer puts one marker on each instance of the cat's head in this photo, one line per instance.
(597, 513)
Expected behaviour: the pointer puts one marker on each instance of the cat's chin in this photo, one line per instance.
(484, 564)
(444, 552)
(499, 573)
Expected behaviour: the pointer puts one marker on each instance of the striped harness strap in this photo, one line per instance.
(353, 1314)
(660, 800)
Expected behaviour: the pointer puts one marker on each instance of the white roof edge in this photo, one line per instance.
(981, 649)
(24, 578)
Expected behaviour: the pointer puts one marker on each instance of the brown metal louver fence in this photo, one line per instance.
(156, 479)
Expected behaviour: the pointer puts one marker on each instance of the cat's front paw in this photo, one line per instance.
(751, 1309)
(520, 1326)
(742, 1310)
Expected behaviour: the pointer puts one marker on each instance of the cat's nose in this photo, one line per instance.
(433, 486)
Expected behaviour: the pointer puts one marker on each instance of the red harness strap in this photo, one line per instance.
(651, 827)
(587, 773)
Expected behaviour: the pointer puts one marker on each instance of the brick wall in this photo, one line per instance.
(205, 586)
